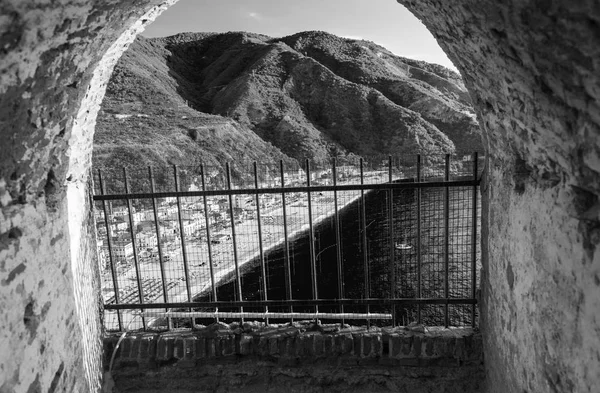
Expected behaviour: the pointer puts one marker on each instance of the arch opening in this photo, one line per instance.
(177, 61)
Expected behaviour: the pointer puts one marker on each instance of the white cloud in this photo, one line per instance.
(254, 15)
(353, 37)
(432, 58)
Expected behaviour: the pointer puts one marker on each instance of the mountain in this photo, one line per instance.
(240, 97)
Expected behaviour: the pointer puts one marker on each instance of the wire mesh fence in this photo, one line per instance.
(385, 241)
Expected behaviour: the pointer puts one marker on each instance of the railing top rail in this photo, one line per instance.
(291, 302)
(279, 190)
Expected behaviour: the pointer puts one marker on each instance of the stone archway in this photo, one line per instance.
(531, 68)
(55, 63)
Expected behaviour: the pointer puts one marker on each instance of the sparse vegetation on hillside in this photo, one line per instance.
(239, 97)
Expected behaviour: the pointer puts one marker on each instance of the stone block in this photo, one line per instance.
(298, 346)
(273, 346)
(153, 348)
(395, 343)
(459, 348)
(291, 343)
(200, 344)
(125, 348)
(407, 345)
(189, 347)
(108, 348)
(125, 363)
(328, 345)
(439, 347)
(408, 361)
(135, 347)
(144, 345)
(319, 345)
(450, 343)
(376, 345)
(263, 346)
(347, 346)
(161, 352)
(338, 344)
(427, 344)
(368, 362)
(212, 345)
(309, 345)
(476, 352)
(386, 361)
(228, 345)
(245, 344)
(366, 345)
(170, 341)
(300, 343)
(357, 344)
(385, 345)
(347, 361)
(287, 361)
(178, 348)
(417, 346)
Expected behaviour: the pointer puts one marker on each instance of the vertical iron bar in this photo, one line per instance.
(446, 240)
(208, 240)
(160, 255)
(311, 235)
(109, 244)
(363, 216)
(186, 270)
(474, 240)
(338, 240)
(263, 269)
(238, 281)
(288, 271)
(134, 245)
(419, 294)
(392, 241)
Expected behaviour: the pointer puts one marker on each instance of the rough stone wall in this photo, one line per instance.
(55, 60)
(532, 68)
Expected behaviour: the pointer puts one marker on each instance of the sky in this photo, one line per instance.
(384, 22)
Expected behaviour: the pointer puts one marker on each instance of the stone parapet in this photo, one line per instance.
(444, 357)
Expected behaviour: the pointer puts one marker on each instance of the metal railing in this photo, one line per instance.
(395, 243)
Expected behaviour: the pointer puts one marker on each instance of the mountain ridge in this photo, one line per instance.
(239, 97)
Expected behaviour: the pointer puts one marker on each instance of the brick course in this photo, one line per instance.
(270, 348)
(462, 346)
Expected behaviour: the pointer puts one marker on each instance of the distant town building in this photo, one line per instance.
(119, 224)
(187, 214)
(119, 211)
(347, 170)
(101, 254)
(241, 201)
(223, 204)
(145, 226)
(145, 240)
(190, 226)
(142, 215)
(167, 210)
(122, 248)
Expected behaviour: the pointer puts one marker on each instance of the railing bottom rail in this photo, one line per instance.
(265, 315)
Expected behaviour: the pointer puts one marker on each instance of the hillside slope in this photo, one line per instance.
(239, 97)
